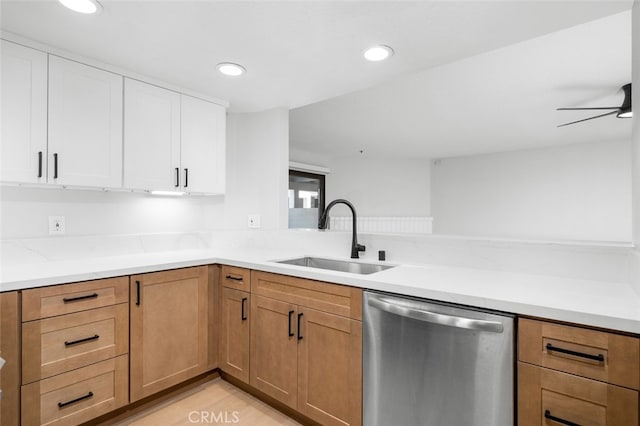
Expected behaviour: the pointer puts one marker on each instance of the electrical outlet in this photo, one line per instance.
(253, 221)
(56, 225)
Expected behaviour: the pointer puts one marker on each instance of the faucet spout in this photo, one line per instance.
(322, 224)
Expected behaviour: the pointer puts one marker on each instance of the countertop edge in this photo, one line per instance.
(377, 282)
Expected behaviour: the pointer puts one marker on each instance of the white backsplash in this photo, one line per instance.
(384, 224)
(34, 250)
(599, 262)
(609, 263)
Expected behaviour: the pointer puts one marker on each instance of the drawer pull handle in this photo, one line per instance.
(231, 277)
(137, 293)
(79, 298)
(86, 339)
(291, 333)
(547, 415)
(299, 328)
(244, 314)
(598, 357)
(73, 401)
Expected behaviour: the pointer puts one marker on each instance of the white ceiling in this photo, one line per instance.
(501, 100)
(296, 52)
(301, 52)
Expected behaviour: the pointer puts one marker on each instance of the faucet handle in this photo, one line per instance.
(356, 249)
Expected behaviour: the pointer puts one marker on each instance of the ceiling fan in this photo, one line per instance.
(622, 111)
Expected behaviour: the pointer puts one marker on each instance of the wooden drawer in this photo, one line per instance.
(77, 396)
(542, 343)
(574, 399)
(68, 298)
(332, 298)
(55, 345)
(236, 278)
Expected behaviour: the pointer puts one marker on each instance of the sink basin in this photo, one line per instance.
(337, 265)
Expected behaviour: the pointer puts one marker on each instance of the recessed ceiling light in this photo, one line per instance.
(231, 69)
(378, 53)
(82, 6)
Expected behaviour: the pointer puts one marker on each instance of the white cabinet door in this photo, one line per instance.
(203, 146)
(85, 125)
(151, 137)
(24, 114)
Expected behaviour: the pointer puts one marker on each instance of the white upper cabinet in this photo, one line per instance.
(172, 142)
(24, 114)
(151, 137)
(203, 146)
(85, 125)
(66, 123)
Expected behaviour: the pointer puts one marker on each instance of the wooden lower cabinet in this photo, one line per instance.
(234, 333)
(169, 329)
(10, 351)
(308, 359)
(274, 349)
(76, 396)
(330, 368)
(568, 374)
(545, 344)
(548, 397)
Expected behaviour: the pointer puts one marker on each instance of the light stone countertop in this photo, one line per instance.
(594, 303)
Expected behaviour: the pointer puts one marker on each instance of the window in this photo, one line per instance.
(306, 199)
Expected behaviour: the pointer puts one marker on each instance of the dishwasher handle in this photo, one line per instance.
(386, 305)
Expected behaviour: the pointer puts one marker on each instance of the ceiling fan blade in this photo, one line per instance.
(590, 118)
(577, 109)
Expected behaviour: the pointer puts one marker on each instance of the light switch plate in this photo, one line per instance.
(253, 221)
(56, 225)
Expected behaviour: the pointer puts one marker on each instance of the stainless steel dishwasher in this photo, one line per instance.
(433, 364)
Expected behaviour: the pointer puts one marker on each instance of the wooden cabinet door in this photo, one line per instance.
(24, 114)
(169, 329)
(330, 368)
(85, 125)
(10, 351)
(234, 333)
(203, 146)
(151, 137)
(274, 348)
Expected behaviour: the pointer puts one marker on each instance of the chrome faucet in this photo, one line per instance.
(322, 224)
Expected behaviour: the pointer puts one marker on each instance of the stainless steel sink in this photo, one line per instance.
(337, 265)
